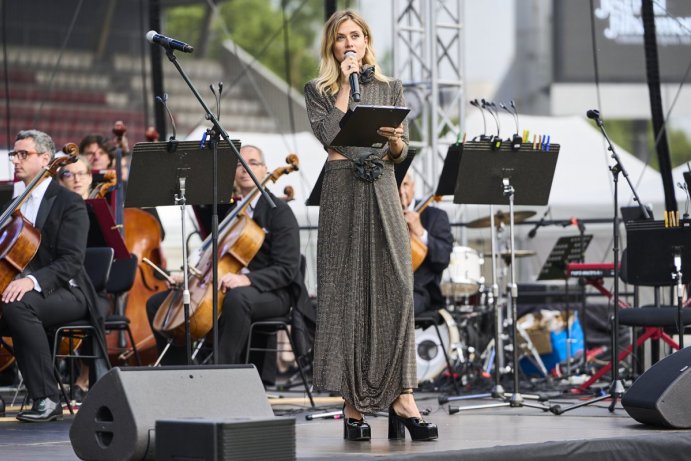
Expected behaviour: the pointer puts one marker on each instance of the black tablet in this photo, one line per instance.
(359, 126)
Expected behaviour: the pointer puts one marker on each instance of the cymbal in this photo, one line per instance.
(500, 218)
(516, 253)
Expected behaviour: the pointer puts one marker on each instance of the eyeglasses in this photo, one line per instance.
(251, 163)
(76, 174)
(22, 154)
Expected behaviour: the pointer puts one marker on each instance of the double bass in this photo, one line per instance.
(240, 238)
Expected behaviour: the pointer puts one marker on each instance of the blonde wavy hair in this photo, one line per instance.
(329, 68)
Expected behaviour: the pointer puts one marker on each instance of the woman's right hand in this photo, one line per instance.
(348, 66)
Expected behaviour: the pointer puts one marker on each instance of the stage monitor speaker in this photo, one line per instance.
(118, 417)
(660, 396)
(225, 440)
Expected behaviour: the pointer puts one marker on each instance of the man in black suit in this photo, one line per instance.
(433, 229)
(267, 287)
(54, 288)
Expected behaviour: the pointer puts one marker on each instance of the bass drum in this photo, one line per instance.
(430, 351)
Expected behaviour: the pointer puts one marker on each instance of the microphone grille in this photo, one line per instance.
(150, 35)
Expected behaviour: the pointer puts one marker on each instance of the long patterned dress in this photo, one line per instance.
(365, 339)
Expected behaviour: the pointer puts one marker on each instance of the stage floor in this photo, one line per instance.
(590, 433)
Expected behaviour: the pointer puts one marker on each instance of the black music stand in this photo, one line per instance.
(660, 256)
(567, 250)
(498, 175)
(180, 176)
(400, 170)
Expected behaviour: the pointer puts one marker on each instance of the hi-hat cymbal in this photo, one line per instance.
(500, 218)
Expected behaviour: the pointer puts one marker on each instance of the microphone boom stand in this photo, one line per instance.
(218, 131)
(616, 388)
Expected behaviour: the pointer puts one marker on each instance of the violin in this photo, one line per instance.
(19, 239)
(240, 238)
(417, 247)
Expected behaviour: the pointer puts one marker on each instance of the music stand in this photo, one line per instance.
(566, 250)
(656, 256)
(400, 170)
(491, 174)
(181, 177)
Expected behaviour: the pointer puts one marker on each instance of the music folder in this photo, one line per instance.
(104, 232)
(359, 126)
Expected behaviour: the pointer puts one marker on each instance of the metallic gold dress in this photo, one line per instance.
(365, 339)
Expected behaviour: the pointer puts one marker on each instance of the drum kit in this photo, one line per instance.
(466, 320)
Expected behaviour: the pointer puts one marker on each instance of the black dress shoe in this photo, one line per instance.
(42, 411)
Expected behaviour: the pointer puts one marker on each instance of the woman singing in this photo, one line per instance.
(365, 340)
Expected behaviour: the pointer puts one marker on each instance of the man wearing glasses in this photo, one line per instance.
(54, 288)
(267, 288)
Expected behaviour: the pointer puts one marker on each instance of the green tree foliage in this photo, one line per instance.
(257, 26)
(623, 132)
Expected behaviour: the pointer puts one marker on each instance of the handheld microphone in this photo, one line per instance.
(154, 37)
(540, 223)
(354, 80)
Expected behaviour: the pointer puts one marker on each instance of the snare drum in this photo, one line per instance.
(464, 275)
(430, 356)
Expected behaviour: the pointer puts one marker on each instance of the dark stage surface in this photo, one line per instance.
(589, 433)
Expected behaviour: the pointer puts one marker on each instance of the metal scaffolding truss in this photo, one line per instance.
(428, 38)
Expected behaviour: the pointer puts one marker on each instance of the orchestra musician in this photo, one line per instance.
(55, 288)
(77, 177)
(365, 340)
(98, 151)
(266, 288)
(433, 229)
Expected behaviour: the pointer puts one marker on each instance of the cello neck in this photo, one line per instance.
(72, 151)
(425, 203)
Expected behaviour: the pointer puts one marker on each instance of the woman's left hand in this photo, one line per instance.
(392, 134)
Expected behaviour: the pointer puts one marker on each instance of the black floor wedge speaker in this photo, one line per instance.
(662, 395)
(118, 417)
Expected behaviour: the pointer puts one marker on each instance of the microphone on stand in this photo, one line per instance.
(483, 136)
(353, 78)
(154, 37)
(594, 114)
(540, 223)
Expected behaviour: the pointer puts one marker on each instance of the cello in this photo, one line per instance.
(417, 247)
(240, 238)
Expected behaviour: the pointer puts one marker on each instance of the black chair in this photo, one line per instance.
(272, 326)
(97, 263)
(122, 275)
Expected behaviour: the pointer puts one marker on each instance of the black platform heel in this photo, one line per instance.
(355, 429)
(419, 428)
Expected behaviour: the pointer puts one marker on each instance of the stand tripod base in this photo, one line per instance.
(616, 391)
